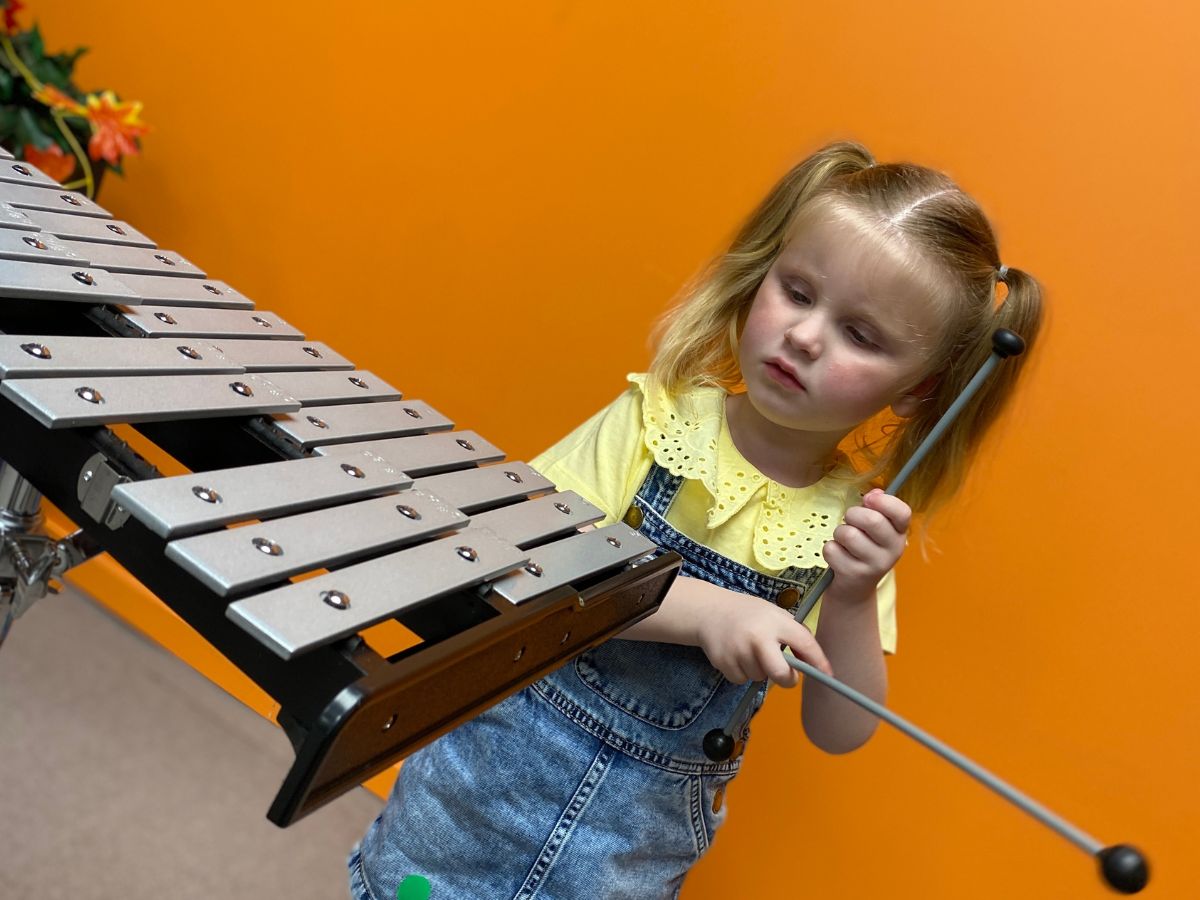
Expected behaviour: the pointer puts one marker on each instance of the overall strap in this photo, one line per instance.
(649, 515)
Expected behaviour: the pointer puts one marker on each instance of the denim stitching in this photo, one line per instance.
(592, 682)
(696, 784)
(357, 864)
(566, 824)
(585, 720)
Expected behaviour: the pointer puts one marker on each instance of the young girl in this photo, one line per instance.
(853, 289)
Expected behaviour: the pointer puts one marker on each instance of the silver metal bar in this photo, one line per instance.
(4, 154)
(573, 558)
(11, 217)
(426, 454)
(188, 504)
(87, 400)
(168, 290)
(157, 321)
(23, 356)
(135, 260)
(473, 490)
(326, 388)
(282, 356)
(86, 228)
(51, 199)
(23, 172)
(537, 521)
(237, 559)
(39, 247)
(319, 610)
(36, 281)
(321, 425)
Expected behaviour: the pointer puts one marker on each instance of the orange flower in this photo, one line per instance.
(52, 161)
(115, 127)
(56, 99)
(11, 8)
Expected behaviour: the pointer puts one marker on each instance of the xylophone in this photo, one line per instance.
(316, 500)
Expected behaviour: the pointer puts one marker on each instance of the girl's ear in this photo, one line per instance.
(909, 403)
(906, 407)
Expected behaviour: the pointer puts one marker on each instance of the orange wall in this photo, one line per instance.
(488, 204)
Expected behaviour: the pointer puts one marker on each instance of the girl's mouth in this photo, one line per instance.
(783, 376)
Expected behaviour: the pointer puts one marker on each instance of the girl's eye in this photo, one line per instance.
(858, 337)
(798, 296)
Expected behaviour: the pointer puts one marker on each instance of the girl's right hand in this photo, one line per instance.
(742, 637)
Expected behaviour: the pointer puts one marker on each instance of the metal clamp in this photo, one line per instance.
(96, 482)
(29, 560)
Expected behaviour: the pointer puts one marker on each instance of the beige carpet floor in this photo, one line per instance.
(126, 775)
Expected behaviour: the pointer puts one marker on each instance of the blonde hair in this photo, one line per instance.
(941, 234)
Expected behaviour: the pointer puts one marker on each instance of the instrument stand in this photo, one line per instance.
(30, 562)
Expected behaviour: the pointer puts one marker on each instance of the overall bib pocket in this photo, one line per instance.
(683, 678)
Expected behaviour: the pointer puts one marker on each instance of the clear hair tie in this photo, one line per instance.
(1002, 273)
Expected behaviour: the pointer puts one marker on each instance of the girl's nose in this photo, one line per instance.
(805, 335)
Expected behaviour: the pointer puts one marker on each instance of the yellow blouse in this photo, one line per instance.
(725, 503)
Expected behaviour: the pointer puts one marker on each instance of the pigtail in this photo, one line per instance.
(697, 338)
(943, 470)
(1021, 310)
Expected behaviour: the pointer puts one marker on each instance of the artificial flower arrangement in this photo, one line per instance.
(46, 119)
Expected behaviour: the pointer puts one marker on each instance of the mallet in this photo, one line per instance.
(1122, 866)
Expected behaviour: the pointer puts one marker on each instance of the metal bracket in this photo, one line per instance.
(94, 490)
(112, 322)
(30, 565)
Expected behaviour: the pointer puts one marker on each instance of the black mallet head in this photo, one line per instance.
(1007, 343)
(718, 746)
(1124, 868)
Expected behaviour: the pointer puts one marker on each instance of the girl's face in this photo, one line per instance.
(837, 331)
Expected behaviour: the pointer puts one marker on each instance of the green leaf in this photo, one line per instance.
(47, 71)
(29, 131)
(34, 42)
(5, 86)
(66, 60)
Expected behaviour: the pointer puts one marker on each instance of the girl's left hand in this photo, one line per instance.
(867, 546)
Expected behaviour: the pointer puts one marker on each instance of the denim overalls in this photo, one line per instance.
(591, 783)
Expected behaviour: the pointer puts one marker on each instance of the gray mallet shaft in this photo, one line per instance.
(1123, 867)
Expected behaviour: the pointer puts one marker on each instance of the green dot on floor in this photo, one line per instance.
(414, 887)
